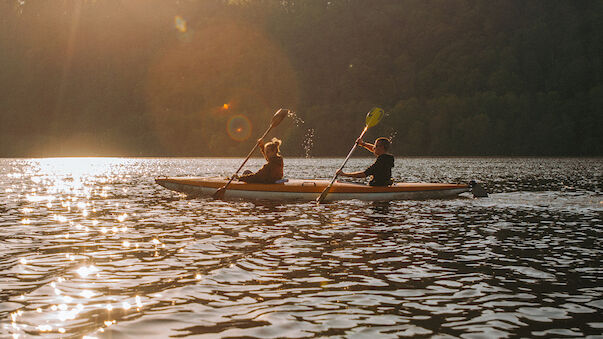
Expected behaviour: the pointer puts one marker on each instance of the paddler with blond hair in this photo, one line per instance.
(272, 171)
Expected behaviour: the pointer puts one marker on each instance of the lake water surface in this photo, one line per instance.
(92, 248)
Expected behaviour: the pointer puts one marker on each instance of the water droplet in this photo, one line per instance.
(308, 142)
(296, 119)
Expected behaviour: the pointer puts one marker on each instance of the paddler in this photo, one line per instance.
(272, 171)
(381, 169)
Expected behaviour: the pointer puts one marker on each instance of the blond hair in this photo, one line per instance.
(274, 144)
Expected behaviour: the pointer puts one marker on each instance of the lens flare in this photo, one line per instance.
(239, 127)
(180, 23)
(223, 62)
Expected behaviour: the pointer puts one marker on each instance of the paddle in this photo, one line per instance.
(372, 118)
(276, 119)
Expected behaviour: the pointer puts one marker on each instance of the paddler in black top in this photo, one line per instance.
(271, 171)
(381, 170)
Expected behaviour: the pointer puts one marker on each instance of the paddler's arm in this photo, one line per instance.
(370, 147)
(360, 174)
(261, 144)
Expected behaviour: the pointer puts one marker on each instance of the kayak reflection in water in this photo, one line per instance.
(381, 169)
(272, 171)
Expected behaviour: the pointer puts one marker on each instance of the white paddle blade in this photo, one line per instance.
(279, 116)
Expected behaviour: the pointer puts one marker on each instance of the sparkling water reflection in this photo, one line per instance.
(93, 248)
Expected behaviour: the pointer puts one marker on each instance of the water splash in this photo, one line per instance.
(308, 142)
(296, 118)
(392, 134)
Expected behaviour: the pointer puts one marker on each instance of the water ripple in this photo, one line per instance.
(92, 247)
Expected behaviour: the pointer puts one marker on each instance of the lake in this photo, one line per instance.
(93, 248)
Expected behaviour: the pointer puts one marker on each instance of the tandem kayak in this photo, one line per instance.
(310, 189)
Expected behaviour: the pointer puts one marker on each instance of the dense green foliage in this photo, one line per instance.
(457, 77)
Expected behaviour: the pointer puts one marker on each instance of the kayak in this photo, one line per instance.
(310, 189)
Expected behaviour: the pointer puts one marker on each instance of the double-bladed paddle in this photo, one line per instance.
(276, 119)
(372, 118)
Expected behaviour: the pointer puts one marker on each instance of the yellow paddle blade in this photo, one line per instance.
(374, 116)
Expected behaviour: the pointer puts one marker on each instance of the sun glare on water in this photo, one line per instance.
(63, 196)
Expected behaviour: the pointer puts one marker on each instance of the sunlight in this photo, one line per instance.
(122, 217)
(77, 167)
(70, 175)
(87, 294)
(44, 328)
(71, 44)
(85, 271)
(38, 198)
(225, 67)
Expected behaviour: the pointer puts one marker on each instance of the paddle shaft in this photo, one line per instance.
(326, 190)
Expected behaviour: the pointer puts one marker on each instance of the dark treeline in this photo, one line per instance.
(202, 78)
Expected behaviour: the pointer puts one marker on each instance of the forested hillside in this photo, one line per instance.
(203, 78)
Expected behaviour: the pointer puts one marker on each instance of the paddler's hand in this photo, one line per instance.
(359, 142)
(260, 142)
(340, 172)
